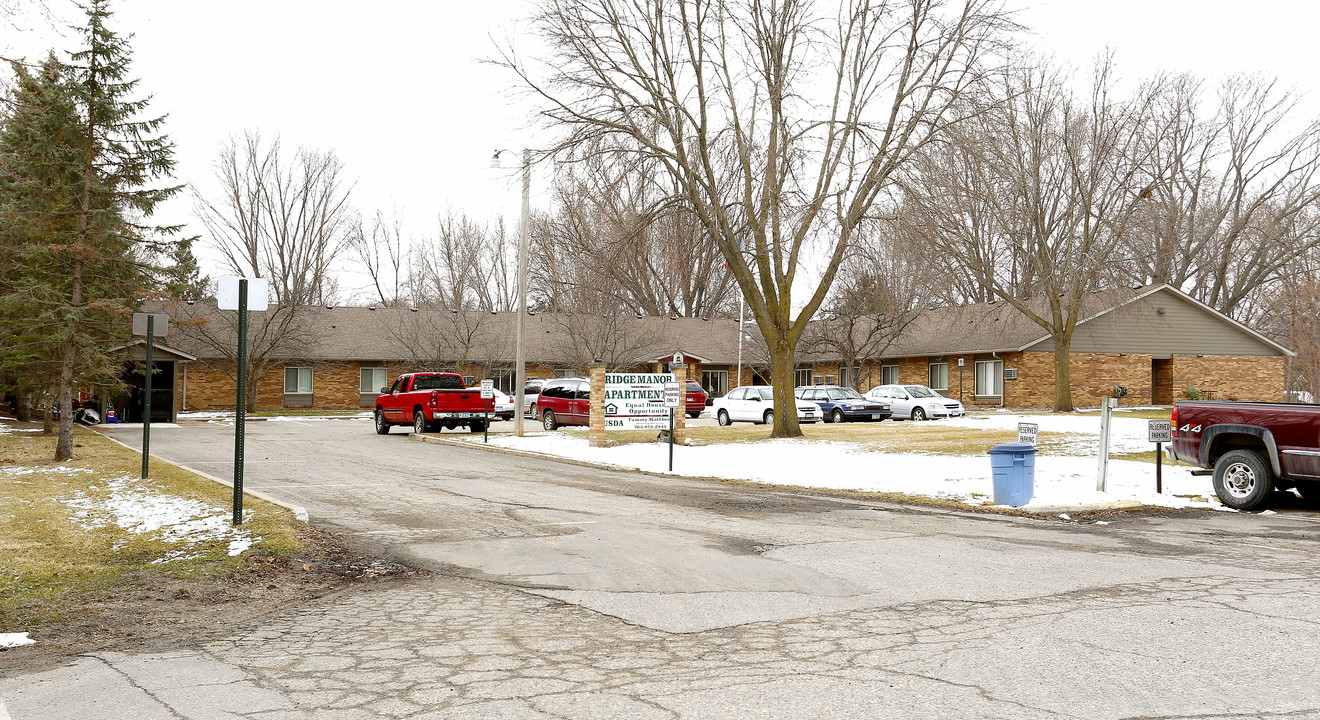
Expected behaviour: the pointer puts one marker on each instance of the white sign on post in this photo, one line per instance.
(1160, 431)
(678, 358)
(673, 397)
(636, 401)
(960, 362)
(160, 327)
(487, 389)
(1027, 433)
(258, 291)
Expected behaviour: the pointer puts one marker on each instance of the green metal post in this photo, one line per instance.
(485, 427)
(146, 401)
(240, 409)
(671, 439)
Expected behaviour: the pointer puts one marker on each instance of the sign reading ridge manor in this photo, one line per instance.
(636, 401)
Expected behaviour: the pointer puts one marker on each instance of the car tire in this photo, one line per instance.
(918, 414)
(382, 427)
(722, 417)
(837, 416)
(1242, 479)
(419, 423)
(768, 418)
(694, 415)
(548, 420)
(531, 411)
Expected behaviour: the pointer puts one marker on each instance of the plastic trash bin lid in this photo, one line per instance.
(1012, 448)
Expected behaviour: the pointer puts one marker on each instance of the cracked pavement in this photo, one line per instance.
(564, 592)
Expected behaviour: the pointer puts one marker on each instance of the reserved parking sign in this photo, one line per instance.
(1027, 433)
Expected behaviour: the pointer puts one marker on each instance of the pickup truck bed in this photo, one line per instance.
(1253, 448)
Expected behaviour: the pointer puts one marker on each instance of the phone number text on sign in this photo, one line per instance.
(636, 401)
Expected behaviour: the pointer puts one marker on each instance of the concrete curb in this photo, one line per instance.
(1088, 508)
(299, 512)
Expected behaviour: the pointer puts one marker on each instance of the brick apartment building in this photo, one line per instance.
(1158, 342)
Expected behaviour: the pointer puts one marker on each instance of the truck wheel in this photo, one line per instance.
(548, 420)
(722, 418)
(477, 426)
(419, 422)
(382, 427)
(1242, 479)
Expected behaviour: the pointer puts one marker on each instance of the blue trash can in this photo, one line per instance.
(1013, 468)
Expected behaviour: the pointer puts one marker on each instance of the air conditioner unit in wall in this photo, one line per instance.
(1010, 373)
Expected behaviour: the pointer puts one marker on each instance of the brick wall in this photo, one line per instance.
(1233, 377)
(1094, 376)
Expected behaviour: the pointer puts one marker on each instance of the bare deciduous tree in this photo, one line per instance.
(465, 266)
(287, 222)
(381, 250)
(780, 124)
(1035, 197)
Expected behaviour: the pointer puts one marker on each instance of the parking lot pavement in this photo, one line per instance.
(561, 591)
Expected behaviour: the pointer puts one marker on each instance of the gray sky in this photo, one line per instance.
(398, 91)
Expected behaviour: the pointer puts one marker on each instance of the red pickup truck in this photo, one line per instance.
(429, 401)
(1251, 448)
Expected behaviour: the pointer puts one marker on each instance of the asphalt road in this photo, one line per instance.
(563, 591)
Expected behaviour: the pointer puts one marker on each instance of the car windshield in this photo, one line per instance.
(845, 394)
(919, 391)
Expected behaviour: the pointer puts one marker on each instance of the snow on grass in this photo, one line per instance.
(1065, 472)
(13, 640)
(137, 508)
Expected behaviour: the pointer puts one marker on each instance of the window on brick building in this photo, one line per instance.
(849, 377)
(939, 376)
(297, 381)
(801, 377)
(990, 378)
(373, 379)
(888, 374)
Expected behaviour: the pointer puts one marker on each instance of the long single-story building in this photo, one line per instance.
(1158, 342)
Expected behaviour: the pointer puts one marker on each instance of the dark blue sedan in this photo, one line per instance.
(841, 404)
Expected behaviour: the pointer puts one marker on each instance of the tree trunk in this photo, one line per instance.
(1063, 374)
(23, 407)
(69, 356)
(783, 361)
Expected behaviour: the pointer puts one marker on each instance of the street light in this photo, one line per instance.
(521, 377)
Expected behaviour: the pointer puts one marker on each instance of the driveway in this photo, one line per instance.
(562, 591)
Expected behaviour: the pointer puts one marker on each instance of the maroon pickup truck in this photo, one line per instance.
(428, 402)
(1251, 448)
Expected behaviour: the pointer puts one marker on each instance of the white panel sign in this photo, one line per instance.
(226, 294)
(1160, 431)
(673, 397)
(487, 389)
(160, 327)
(1027, 433)
(636, 401)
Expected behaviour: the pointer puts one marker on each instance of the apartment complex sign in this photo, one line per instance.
(636, 401)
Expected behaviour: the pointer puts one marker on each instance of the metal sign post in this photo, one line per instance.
(1159, 432)
(147, 324)
(487, 394)
(232, 294)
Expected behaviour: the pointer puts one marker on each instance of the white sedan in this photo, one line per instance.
(503, 404)
(916, 401)
(756, 403)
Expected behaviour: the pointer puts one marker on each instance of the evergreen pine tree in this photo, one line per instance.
(82, 275)
(183, 279)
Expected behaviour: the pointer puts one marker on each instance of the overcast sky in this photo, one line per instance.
(399, 90)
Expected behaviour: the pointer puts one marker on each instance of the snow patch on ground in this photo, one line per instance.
(13, 640)
(1065, 475)
(19, 470)
(135, 507)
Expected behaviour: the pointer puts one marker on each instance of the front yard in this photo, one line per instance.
(942, 459)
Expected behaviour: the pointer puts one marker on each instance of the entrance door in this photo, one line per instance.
(1161, 382)
(129, 405)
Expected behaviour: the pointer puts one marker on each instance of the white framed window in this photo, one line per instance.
(801, 376)
(298, 381)
(565, 372)
(715, 382)
(373, 379)
(888, 374)
(990, 378)
(505, 379)
(939, 376)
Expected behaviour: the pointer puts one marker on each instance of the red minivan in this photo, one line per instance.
(696, 399)
(564, 401)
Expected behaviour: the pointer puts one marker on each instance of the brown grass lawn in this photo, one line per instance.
(50, 564)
